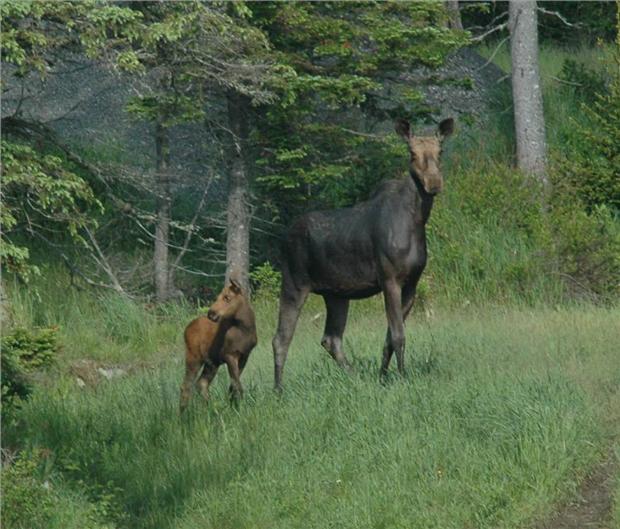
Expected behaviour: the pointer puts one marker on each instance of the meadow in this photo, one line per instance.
(512, 393)
(502, 412)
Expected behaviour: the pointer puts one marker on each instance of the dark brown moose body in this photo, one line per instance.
(226, 335)
(351, 253)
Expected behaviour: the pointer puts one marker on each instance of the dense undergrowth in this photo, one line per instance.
(513, 377)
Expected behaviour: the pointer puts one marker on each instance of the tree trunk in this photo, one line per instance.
(526, 89)
(238, 211)
(163, 278)
(454, 20)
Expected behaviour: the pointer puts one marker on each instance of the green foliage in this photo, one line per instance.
(30, 501)
(33, 32)
(587, 248)
(170, 109)
(344, 57)
(24, 352)
(266, 280)
(590, 161)
(40, 189)
(485, 239)
(587, 81)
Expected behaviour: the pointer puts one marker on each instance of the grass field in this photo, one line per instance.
(502, 411)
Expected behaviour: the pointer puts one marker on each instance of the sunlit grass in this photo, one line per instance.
(500, 413)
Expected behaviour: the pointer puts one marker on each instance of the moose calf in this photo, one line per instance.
(226, 335)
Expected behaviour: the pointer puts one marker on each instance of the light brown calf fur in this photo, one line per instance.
(226, 335)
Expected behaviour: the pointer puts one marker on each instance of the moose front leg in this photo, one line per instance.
(392, 294)
(191, 372)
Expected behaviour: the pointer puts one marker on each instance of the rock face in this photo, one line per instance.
(85, 104)
(463, 86)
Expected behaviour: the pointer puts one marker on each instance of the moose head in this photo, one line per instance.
(425, 152)
(227, 303)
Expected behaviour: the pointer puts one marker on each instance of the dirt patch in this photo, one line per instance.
(592, 507)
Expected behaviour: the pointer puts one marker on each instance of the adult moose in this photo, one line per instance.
(353, 253)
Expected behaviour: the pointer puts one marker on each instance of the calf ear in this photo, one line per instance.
(402, 128)
(234, 286)
(446, 127)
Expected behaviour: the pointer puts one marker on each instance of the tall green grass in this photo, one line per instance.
(98, 325)
(500, 413)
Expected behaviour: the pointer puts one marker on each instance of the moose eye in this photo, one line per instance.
(226, 298)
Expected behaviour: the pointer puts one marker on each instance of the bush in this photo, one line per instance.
(34, 500)
(587, 248)
(23, 352)
(586, 81)
(590, 161)
(266, 280)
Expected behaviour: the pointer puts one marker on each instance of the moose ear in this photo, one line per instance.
(234, 286)
(446, 127)
(402, 128)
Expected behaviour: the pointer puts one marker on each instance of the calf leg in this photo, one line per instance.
(208, 374)
(291, 301)
(191, 371)
(392, 294)
(337, 310)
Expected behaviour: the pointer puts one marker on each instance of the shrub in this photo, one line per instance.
(23, 352)
(266, 280)
(587, 248)
(586, 81)
(591, 158)
(33, 500)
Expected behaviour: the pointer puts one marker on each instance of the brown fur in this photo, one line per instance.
(425, 152)
(226, 335)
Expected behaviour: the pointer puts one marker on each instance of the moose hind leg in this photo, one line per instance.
(337, 311)
(191, 371)
(388, 351)
(291, 301)
(208, 374)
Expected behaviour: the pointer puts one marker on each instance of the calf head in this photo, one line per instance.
(227, 303)
(425, 152)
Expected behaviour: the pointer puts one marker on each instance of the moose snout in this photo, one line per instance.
(212, 315)
(433, 185)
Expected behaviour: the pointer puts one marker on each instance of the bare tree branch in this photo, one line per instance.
(192, 224)
(103, 262)
(558, 15)
(501, 43)
(480, 38)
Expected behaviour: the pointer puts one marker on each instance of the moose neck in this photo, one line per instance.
(244, 318)
(426, 198)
